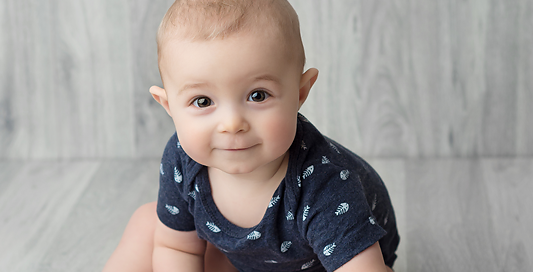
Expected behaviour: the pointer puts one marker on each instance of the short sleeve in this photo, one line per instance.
(336, 218)
(172, 203)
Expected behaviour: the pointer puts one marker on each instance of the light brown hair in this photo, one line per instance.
(204, 20)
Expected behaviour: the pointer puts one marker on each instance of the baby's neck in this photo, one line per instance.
(244, 198)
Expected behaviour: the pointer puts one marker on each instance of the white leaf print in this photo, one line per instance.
(372, 220)
(196, 188)
(306, 212)
(328, 250)
(290, 216)
(285, 246)
(172, 209)
(254, 235)
(273, 201)
(374, 202)
(212, 227)
(344, 174)
(334, 148)
(177, 175)
(271, 261)
(304, 147)
(161, 169)
(342, 209)
(192, 194)
(299, 181)
(325, 160)
(308, 264)
(308, 171)
(178, 145)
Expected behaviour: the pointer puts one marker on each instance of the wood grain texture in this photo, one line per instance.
(421, 78)
(92, 230)
(397, 79)
(469, 215)
(68, 216)
(35, 201)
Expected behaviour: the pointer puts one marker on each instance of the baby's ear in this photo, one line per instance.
(160, 95)
(306, 82)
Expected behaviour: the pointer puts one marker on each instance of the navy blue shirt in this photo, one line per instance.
(330, 206)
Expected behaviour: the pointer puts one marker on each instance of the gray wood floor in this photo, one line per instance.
(453, 214)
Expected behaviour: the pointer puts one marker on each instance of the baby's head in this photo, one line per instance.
(233, 82)
(206, 20)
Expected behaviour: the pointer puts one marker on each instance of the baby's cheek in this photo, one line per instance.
(194, 142)
(281, 132)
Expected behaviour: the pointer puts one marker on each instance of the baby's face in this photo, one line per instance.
(234, 101)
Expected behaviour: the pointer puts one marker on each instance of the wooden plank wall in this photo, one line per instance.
(397, 78)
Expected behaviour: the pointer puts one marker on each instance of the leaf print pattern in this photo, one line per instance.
(334, 148)
(212, 227)
(290, 216)
(372, 220)
(299, 181)
(344, 174)
(177, 175)
(308, 172)
(196, 188)
(254, 235)
(342, 209)
(178, 145)
(172, 209)
(306, 212)
(325, 160)
(303, 146)
(308, 264)
(285, 246)
(271, 261)
(273, 201)
(328, 250)
(161, 169)
(374, 202)
(192, 194)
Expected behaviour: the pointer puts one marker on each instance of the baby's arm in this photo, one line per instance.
(177, 250)
(370, 260)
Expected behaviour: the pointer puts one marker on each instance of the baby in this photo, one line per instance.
(247, 183)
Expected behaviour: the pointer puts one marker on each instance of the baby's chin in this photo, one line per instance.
(235, 170)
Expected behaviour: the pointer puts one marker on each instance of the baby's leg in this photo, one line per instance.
(134, 252)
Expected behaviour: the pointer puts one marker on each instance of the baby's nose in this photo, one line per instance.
(233, 122)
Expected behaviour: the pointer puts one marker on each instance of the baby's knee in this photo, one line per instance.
(148, 209)
(145, 217)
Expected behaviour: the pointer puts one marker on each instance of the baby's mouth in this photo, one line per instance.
(238, 148)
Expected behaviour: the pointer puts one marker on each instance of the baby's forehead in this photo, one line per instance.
(280, 48)
(273, 51)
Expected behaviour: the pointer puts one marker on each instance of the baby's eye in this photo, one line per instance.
(258, 96)
(202, 102)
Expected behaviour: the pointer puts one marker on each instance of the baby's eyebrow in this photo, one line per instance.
(192, 86)
(267, 78)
